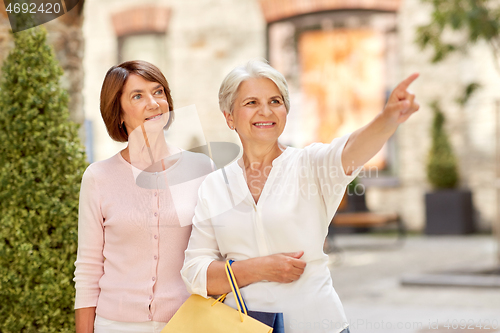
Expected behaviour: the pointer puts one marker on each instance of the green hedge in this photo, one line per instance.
(41, 165)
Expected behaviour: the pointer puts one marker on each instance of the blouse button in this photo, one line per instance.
(150, 297)
(149, 317)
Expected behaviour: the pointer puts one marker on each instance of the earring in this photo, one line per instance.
(232, 127)
(121, 125)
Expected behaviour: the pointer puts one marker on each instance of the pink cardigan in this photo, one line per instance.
(132, 233)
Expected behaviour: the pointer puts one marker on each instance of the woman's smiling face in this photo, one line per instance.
(142, 101)
(259, 114)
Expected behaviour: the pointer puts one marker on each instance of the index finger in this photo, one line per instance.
(406, 82)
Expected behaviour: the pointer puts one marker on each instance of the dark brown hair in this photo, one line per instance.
(112, 88)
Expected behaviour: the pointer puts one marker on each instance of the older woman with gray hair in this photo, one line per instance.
(269, 211)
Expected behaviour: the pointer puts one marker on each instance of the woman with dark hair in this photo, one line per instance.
(135, 214)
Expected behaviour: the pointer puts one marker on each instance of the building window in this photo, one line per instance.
(148, 47)
(142, 35)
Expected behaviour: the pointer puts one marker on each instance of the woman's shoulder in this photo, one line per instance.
(320, 150)
(219, 177)
(112, 164)
(215, 177)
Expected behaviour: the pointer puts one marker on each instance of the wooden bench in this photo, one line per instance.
(368, 220)
(362, 218)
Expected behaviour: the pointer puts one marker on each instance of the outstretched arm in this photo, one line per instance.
(364, 143)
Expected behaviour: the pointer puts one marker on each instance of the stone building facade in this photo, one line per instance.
(197, 42)
(194, 43)
(202, 40)
(472, 128)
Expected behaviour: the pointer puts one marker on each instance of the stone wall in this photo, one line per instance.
(202, 46)
(275, 10)
(471, 128)
(207, 38)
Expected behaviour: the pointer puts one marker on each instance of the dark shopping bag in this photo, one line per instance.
(274, 320)
(271, 319)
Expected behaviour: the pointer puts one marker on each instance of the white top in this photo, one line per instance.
(298, 201)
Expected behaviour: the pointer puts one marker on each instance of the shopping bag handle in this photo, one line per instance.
(240, 303)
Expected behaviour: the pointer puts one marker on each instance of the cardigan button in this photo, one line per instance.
(156, 236)
(156, 214)
(153, 278)
(156, 257)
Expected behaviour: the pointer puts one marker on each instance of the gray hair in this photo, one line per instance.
(252, 69)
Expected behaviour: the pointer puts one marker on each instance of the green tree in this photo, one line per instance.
(441, 166)
(471, 20)
(41, 165)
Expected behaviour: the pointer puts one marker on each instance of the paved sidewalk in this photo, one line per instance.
(367, 276)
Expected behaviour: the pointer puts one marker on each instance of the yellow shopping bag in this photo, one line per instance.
(208, 315)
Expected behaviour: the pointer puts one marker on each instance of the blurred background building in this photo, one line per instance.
(341, 60)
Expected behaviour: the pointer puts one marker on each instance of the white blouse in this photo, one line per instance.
(297, 203)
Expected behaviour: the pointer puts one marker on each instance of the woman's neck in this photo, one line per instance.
(149, 154)
(260, 156)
